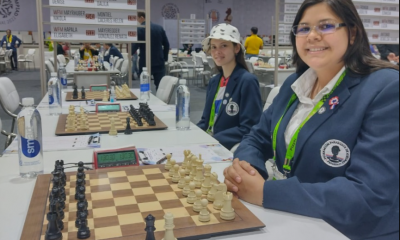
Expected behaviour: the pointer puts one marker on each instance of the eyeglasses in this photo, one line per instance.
(323, 28)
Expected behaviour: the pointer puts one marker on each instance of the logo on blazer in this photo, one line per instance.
(335, 153)
(232, 109)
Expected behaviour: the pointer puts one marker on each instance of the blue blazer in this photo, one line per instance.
(114, 52)
(359, 198)
(13, 42)
(243, 88)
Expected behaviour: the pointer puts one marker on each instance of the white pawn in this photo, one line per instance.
(197, 205)
(186, 189)
(219, 196)
(204, 213)
(168, 164)
(192, 195)
(182, 182)
(177, 177)
(212, 192)
(172, 170)
(199, 178)
(227, 212)
(169, 227)
(206, 186)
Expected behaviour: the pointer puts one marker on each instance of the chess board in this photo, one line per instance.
(97, 96)
(119, 199)
(100, 123)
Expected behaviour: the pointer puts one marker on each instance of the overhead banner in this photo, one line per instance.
(93, 16)
(71, 32)
(119, 4)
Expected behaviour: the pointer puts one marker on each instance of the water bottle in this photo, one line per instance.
(113, 96)
(144, 86)
(182, 106)
(30, 147)
(111, 62)
(77, 58)
(62, 75)
(54, 91)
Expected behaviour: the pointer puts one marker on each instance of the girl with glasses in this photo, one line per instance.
(332, 133)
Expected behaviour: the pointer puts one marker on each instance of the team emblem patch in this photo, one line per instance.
(335, 153)
(232, 109)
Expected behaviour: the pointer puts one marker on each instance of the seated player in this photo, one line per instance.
(233, 104)
(111, 50)
(87, 52)
(333, 131)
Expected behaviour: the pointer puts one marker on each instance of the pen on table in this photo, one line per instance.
(90, 140)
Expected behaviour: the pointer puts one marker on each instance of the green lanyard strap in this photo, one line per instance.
(293, 143)
(212, 115)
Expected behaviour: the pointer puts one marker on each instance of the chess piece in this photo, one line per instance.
(227, 212)
(192, 195)
(214, 178)
(189, 164)
(128, 130)
(75, 93)
(113, 130)
(197, 204)
(150, 227)
(206, 186)
(185, 161)
(212, 192)
(70, 124)
(53, 232)
(193, 170)
(79, 190)
(83, 125)
(186, 189)
(169, 227)
(219, 196)
(105, 96)
(182, 175)
(83, 93)
(199, 176)
(83, 231)
(177, 177)
(168, 165)
(204, 213)
(172, 170)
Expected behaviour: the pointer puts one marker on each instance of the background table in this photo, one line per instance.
(86, 78)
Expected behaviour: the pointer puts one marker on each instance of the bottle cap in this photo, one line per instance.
(53, 74)
(182, 82)
(28, 101)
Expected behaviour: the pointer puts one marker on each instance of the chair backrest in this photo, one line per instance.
(9, 96)
(170, 58)
(49, 67)
(272, 95)
(51, 60)
(125, 68)
(199, 61)
(31, 52)
(118, 64)
(166, 88)
(253, 60)
(61, 59)
(116, 59)
(211, 62)
(125, 55)
(250, 66)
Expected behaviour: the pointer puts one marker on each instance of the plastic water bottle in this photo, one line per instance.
(30, 146)
(77, 58)
(144, 86)
(54, 91)
(112, 62)
(182, 106)
(62, 75)
(113, 96)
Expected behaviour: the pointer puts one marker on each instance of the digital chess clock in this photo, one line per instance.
(99, 88)
(104, 107)
(123, 157)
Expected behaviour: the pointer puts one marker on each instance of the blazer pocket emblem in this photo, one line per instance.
(232, 109)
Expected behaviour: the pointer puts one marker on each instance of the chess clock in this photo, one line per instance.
(111, 107)
(99, 88)
(114, 158)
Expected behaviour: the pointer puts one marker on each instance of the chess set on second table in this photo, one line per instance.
(100, 93)
(140, 203)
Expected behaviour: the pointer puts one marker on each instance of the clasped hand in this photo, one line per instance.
(244, 181)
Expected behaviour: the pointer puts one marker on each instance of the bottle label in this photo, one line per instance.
(145, 87)
(51, 99)
(64, 81)
(30, 148)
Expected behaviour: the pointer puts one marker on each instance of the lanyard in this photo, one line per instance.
(287, 168)
(10, 39)
(212, 115)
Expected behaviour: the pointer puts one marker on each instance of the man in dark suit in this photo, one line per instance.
(389, 52)
(12, 43)
(111, 50)
(159, 49)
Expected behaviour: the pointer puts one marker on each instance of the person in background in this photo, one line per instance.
(233, 102)
(87, 51)
(135, 70)
(253, 44)
(331, 134)
(49, 43)
(228, 18)
(111, 50)
(60, 49)
(159, 49)
(188, 48)
(12, 43)
(389, 52)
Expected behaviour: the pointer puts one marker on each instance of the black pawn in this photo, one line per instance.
(83, 231)
(83, 93)
(80, 164)
(82, 199)
(53, 231)
(150, 228)
(81, 208)
(128, 130)
(80, 190)
(80, 182)
(75, 93)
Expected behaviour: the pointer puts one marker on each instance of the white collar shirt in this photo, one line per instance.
(303, 88)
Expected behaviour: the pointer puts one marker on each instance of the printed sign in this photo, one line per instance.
(383, 37)
(108, 4)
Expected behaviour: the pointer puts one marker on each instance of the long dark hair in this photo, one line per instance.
(358, 58)
(240, 59)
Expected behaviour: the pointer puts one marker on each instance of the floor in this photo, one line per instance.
(28, 85)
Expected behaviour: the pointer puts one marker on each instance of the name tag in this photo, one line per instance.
(273, 172)
(8, 44)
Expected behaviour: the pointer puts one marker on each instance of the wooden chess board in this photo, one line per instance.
(97, 96)
(119, 199)
(100, 123)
